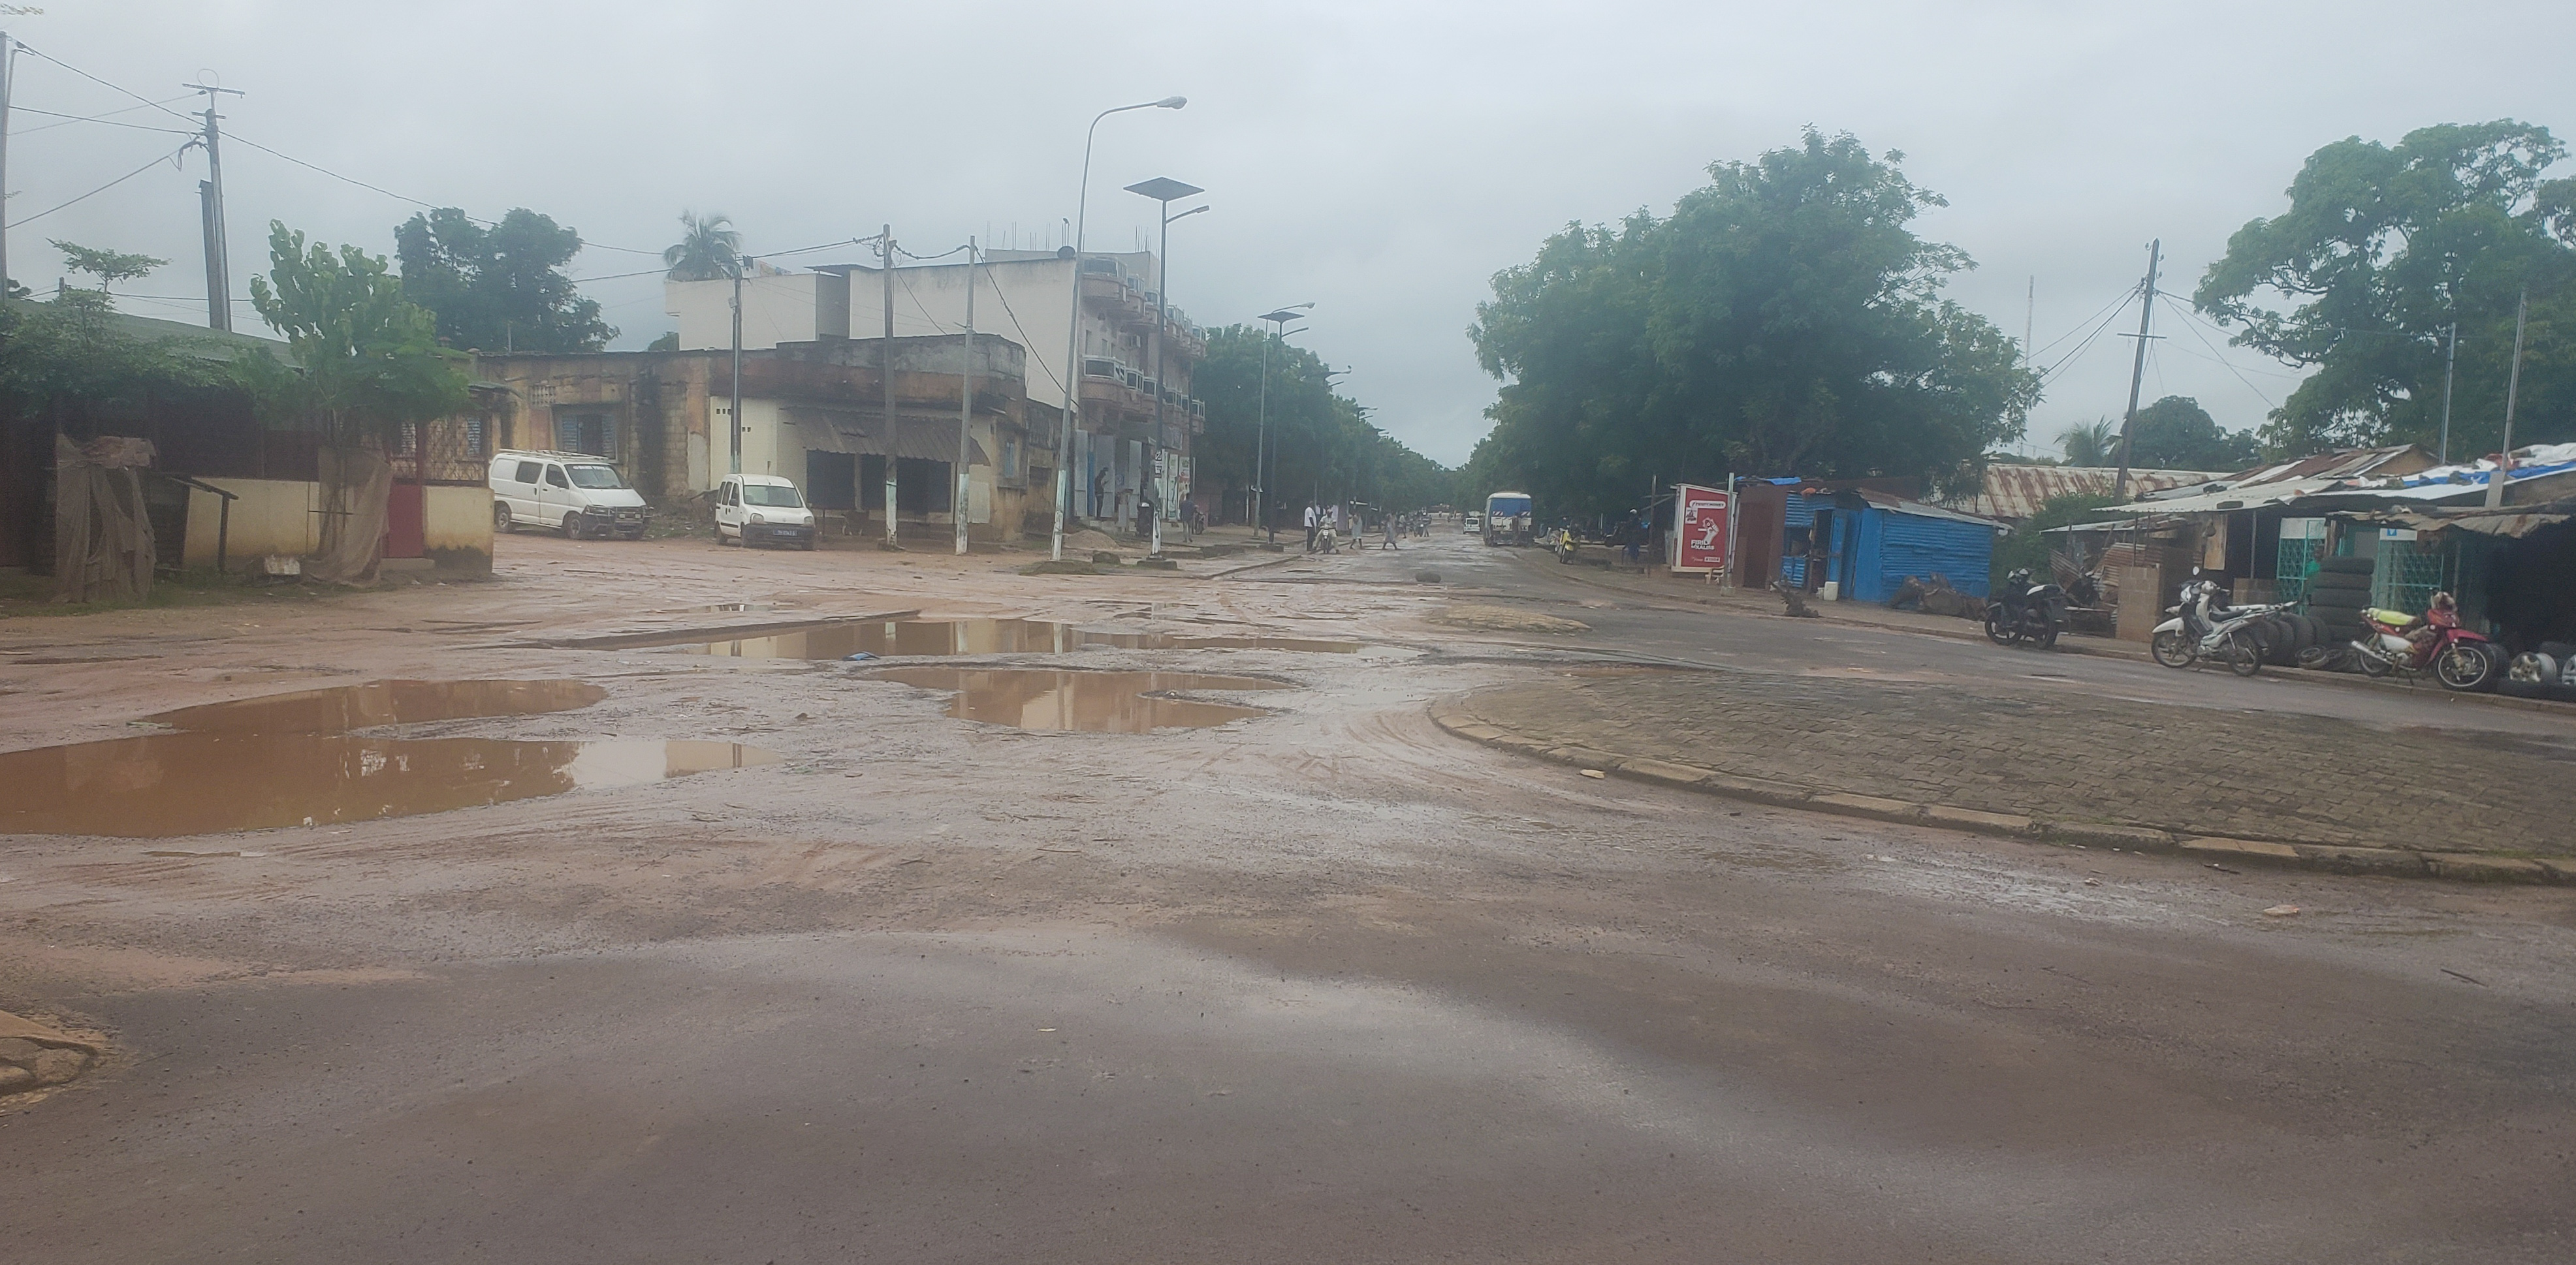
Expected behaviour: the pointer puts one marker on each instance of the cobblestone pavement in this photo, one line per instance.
(2254, 775)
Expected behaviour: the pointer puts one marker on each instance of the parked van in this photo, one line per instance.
(577, 494)
(762, 509)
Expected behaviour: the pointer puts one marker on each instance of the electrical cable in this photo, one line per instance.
(105, 187)
(2057, 370)
(69, 119)
(2123, 301)
(24, 47)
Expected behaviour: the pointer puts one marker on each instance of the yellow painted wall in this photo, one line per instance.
(277, 516)
(272, 516)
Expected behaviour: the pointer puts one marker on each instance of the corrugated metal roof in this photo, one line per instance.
(2017, 492)
(1897, 504)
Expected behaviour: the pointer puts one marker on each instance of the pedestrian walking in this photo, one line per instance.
(1390, 533)
(1312, 519)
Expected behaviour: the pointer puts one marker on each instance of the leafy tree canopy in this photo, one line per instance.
(106, 265)
(2175, 433)
(1322, 446)
(75, 347)
(502, 287)
(2029, 544)
(367, 359)
(1784, 319)
(2382, 248)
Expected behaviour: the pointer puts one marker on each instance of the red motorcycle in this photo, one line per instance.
(2396, 643)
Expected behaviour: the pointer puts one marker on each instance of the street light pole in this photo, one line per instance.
(1261, 441)
(965, 409)
(1073, 319)
(1164, 191)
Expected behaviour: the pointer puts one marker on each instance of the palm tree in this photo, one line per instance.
(2094, 444)
(709, 249)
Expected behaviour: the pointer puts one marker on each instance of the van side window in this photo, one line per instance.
(527, 472)
(733, 494)
(555, 477)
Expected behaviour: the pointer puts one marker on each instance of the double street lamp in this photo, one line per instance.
(1164, 191)
(1073, 321)
(1279, 333)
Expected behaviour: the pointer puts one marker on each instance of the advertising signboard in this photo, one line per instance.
(1699, 529)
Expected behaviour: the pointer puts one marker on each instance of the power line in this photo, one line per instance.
(68, 119)
(2112, 308)
(157, 105)
(105, 187)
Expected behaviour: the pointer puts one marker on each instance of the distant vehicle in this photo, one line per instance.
(573, 492)
(1507, 518)
(762, 509)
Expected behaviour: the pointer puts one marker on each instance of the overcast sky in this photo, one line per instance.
(1380, 159)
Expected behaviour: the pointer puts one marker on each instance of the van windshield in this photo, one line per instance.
(596, 477)
(771, 494)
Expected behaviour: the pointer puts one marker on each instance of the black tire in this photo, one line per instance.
(2316, 630)
(572, 527)
(2281, 642)
(2346, 566)
(2173, 648)
(502, 522)
(2530, 675)
(2323, 593)
(2319, 658)
(2243, 652)
(2465, 668)
(2000, 628)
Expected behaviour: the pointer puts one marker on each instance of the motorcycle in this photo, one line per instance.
(2202, 626)
(2023, 611)
(2460, 659)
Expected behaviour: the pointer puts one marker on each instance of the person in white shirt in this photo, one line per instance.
(1312, 519)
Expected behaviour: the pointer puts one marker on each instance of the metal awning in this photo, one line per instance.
(2508, 520)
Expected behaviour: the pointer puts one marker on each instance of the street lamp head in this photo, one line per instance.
(1184, 215)
(1164, 189)
(1171, 103)
(1286, 314)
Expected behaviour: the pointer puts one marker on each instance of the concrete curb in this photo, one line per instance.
(2336, 858)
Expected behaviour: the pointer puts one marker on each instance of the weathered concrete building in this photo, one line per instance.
(1123, 441)
(813, 411)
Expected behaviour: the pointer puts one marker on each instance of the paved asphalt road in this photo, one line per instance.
(1324, 986)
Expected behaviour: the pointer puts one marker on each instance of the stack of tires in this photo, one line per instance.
(2290, 640)
(2337, 595)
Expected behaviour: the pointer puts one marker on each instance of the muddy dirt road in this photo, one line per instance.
(1321, 983)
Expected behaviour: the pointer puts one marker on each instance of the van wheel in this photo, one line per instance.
(502, 522)
(572, 527)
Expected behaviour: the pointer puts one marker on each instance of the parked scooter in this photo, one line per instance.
(2023, 611)
(2396, 643)
(2203, 626)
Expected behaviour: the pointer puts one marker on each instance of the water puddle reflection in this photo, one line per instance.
(1092, 702)
(290, 760)
(893, 638)
(167, 785)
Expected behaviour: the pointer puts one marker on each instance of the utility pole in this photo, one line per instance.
(2512, 387)
(885, 381)
(737, 362)
(210, 205)
(965, 407)
(8, 80)
(2450, 362)
(2138, 371)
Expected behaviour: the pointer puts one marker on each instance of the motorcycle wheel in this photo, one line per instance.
(2465, 668)
(1999, 627)
(2173, 649)
(2371, 664)
(2044, 637)
(2244, 653)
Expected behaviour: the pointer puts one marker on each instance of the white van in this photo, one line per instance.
(762, 509)
(576, 494)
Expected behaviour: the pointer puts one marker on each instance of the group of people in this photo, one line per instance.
(1326, 525)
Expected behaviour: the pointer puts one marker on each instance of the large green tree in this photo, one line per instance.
(1322, 445)
(2381, 250)
(2176, 433)
(1785, 318)
(499, 288)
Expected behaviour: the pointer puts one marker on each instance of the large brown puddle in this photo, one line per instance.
(894, 638)
(1097, 702)
(288, 760)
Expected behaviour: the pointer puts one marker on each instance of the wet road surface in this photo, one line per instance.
(1318, 984)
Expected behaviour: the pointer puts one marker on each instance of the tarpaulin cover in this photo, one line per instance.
(102, 538)
(357, 485)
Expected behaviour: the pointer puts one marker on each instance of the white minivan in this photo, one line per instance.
(762, 509)
(576, 494)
